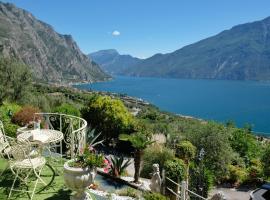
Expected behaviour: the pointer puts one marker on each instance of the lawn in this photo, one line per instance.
(55, 189)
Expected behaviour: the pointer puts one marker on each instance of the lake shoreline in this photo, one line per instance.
(220, 101)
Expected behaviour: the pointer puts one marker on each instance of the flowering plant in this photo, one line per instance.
(89, 158)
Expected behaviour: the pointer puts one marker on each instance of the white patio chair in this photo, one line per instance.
(3, 140)
(22, 165)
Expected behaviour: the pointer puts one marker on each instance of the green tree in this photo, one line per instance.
(266, 162)
(155, 153)
(245, 144)
(175, 169)
(67, 109)
(139, 141)
(214, 139)
(108, 116)
(15, 78)
(186, 151)
(201, 179)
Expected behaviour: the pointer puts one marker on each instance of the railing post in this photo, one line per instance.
(177, 190)
(163, 185)
(60, 123)
(72, 140)
(183, 190)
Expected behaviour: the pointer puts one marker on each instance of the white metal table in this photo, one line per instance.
(53, 136)
(43, 138)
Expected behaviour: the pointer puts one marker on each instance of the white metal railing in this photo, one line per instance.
(74, 129)
(182, 191)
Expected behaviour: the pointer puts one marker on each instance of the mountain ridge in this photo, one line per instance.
(52, 57)
(239, 53)
(113, 62)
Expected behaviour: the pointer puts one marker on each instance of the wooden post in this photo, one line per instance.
(163, 184)
(177, 191)
(183, 190)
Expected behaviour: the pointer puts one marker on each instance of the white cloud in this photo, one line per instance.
(116, 33)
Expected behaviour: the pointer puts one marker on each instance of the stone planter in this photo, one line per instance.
(78, 179)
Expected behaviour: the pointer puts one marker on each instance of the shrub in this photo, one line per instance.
(25, 115)
(153, 196)
(201, 180)
(245, 144)
(175, 169)
(186, 151)
(6, 112)
(255, 170)
(130, 192)
(155, 154)
(237, 175)
(266, 162)
(67, 109)
(108, 116)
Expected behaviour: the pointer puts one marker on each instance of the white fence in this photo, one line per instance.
(180, 191)
(74, 130)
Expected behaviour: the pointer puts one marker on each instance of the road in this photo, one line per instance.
(232, 194)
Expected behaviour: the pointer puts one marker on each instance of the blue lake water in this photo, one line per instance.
(219, 100)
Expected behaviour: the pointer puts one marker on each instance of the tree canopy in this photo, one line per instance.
(109, 116)
(15, 78)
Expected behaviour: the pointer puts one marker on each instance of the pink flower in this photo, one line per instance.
(91, 149)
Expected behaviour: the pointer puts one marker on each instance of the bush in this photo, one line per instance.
(6, 112)
(25, 115)
(155, 154)
(255, 170)
(67, 109)
(175, 169)
(108, 116)
(153, 196)
(201, 180)
(237, 175)
(130, 192)
(266, 162)
(186, 151)
(245, 144)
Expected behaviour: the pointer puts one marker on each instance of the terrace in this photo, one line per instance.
(59, 139)
(72, 139)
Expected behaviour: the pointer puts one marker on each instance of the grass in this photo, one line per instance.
(55, 189)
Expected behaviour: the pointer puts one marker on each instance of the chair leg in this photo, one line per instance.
(38, 175)
(35, 186)
(12, 187)
(36, 182)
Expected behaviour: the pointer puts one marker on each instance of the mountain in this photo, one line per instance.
(241, 53)
(51, 56)
(112, 62)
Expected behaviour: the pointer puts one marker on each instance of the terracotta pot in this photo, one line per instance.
(78, 179)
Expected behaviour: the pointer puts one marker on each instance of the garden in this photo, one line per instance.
(203, 154)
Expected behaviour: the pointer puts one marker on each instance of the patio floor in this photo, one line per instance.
(55, 188)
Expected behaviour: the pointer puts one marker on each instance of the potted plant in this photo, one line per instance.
(80, 172)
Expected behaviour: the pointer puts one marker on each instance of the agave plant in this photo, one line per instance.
(91, 138)
(118, 165)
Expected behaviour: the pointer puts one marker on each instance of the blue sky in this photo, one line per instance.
(143, 27)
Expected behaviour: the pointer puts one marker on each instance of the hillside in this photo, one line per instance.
(241, 53)
(51, 56)
(112, 62)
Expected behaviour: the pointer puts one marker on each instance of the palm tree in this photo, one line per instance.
(139, 141)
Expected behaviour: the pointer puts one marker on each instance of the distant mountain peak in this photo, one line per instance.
(112, 62)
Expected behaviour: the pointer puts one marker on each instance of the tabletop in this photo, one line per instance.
(42, 135)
